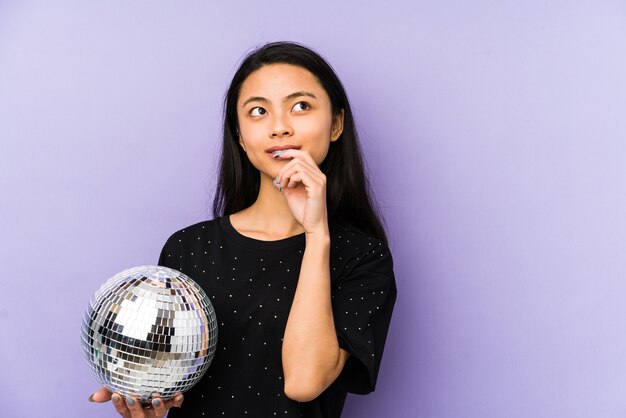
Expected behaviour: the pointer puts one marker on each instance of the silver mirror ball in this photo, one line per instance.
(149, 330)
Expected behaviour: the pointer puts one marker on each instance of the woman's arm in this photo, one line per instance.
(311, 356)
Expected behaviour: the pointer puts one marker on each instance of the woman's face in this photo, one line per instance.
(283, 105)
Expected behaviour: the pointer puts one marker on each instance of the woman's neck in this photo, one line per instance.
(269, 217)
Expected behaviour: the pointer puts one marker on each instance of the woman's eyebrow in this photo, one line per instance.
(255, 99)
(287, 98)
(299, 94)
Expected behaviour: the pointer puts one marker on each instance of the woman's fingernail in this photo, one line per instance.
(275, 181)
(91, 398)
(129, 401)
(156, 402)
(279, 153)
(280, 188)
(115, 398)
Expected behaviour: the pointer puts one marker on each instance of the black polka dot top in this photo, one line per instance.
(251, 284)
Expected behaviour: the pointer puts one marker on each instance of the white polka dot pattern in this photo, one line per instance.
(251, 284)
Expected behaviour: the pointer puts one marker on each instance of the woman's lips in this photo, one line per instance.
(284, 147)
(275, 152)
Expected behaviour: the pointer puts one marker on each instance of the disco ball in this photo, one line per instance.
(148, 330)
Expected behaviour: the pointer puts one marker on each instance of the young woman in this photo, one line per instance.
(296, 261)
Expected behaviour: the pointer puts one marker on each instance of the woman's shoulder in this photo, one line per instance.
(356, 247)
(352, 239)
(194, 230)
(358, 257)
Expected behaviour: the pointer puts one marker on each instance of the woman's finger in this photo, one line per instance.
(311, 184)
(101, 395)
(160, 407)
(175, 402)
(304, 159)
(301, 159)
(285, 174)
(135, 407)
(120, 405)
(304, 155)
(298, 161)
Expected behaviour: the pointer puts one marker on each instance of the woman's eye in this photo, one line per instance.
(300, 106)
(257, 111)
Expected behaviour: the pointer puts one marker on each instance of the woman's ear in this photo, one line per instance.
(243, 145)
(337, 129)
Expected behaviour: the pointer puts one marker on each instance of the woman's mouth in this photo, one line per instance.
(276, 152)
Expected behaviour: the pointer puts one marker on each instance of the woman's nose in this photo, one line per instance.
(283, 133)
(280, 128)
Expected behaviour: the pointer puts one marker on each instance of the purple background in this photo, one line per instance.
(495, 133)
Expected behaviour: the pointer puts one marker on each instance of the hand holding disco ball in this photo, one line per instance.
(149, 330)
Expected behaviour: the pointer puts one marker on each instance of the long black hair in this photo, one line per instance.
(348, 200)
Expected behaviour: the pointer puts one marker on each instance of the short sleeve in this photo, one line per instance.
(170, 254)
(362, 306)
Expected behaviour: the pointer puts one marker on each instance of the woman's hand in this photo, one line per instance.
(304, 187)
(131, 408)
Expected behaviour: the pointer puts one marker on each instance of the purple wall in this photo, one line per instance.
(496, 138)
